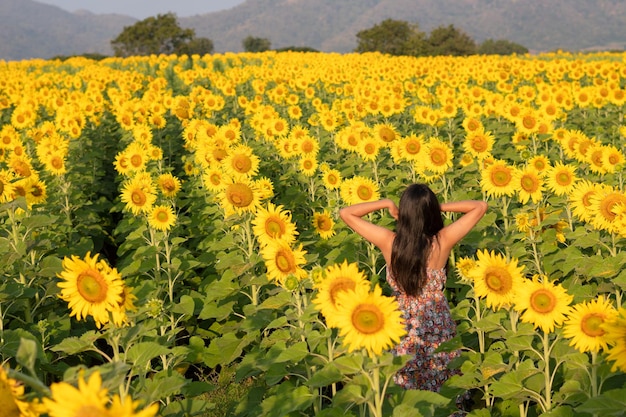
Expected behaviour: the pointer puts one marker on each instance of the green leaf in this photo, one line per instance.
(293, 353)
(213, 311)
(286, 400)
(27, 354)
(350, 364)
(329, 374)
(140, 354)
(223, 350)
(74, 345)
(561, 411)
(186, 407)
(161, 385)
(186, 306)
(610, 403)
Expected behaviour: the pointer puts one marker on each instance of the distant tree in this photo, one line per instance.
(501, 47)
(253, 44)
(393, 37)
(199, 46)
(296, 49)
(448, 40)
(153, 35)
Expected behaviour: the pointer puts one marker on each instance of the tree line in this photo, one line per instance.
(162, 34)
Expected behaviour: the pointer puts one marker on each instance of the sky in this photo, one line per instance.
(141, 9)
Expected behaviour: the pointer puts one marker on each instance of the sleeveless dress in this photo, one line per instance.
(428, 324)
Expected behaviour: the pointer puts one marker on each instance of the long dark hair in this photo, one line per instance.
(419, 221)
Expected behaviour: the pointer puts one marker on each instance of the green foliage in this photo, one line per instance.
(255, 44)
(448, 40)
(393, 37)
(501, 47)
(154, 35)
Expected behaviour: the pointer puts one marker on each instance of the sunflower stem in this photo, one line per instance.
(594, 374)
(546, 372)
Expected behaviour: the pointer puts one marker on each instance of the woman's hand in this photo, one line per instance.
(393, 210)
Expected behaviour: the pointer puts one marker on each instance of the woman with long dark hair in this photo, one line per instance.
(416, 254)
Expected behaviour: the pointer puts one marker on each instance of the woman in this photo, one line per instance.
(416, 255)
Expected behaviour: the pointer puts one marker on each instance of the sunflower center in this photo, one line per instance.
(307, 146)
(275, 227)
(138, 198)
(323, 223)
(216, 179)
(136, 160)
(529, 122)
(162, 216)
(364, 193)
(413, 148)
(242, 163)
(307, 164)
(501, 177)
(479, 144)
(591, 325)
(285, 262)
(56, 162)
(543, 301)
(332, 179)
(368, 319)
(92, 286)
(340, 284)
(369, 149)
(539, 164)
(563, 178)
(529, 184)
(438, 157)
(239, 195)
(387, 134)
(498, 280)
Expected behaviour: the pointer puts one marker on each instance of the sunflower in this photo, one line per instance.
(161, 218)
(324, 223)
(54, 163)
(410, 148)
(273, 224)
(308, 145)
(529, 185)
(616, 334)
(281, 261)
(331, 178)
(337, 278)
(369, 320)
(542, 303)
(495, 279)
(539, 162)
(90, 398)
(307, 165)
(129, 408)
(584, 324)
(11, 393)
(91, 287)
(137, 155)
(139, 194)
(369, 147)
(214, 179)
(580, 199)
(168, 184)
(613, 158)
(603, 207)
(478, 143)
(238, 196)
(385, 132)
(359, 189)
(498, 179)
(264, 187)
(31, 188)
(438, 156)
(561, 178)
(241, 162)
(472, 124)
(119, 316)
(6, 186)
(522, 222)
(464, 267)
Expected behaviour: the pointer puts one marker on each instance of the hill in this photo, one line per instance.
(331, 25)
(35, 30)
(29, 29)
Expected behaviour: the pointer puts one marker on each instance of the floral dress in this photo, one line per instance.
(428, 324)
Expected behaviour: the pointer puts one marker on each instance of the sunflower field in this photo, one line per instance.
(170, 242)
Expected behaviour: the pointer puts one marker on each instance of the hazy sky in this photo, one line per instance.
(141, 9)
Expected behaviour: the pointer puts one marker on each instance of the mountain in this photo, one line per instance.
(332, 25)
(35, 30)
(29, 29)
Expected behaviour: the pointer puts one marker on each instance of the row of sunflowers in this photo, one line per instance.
(170, 221)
